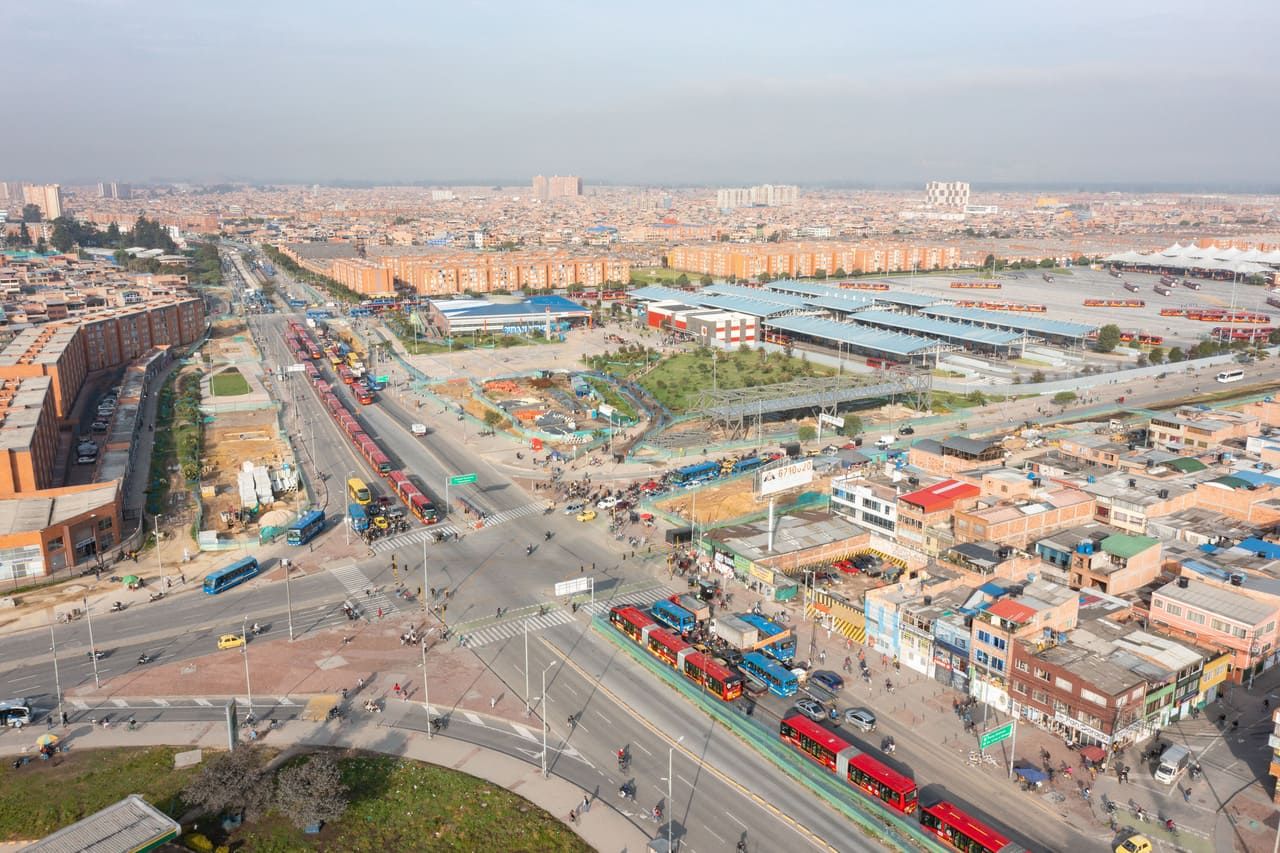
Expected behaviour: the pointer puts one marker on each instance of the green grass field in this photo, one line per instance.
(41, 797)
(404, 805)
(229, 383)
(395, 805)
(678, 380)
(660, 275)
(610, 395)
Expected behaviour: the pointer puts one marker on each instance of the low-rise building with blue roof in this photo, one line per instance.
(460, 316)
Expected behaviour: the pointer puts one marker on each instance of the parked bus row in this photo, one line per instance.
(976, 285)
(412, 495)
(1255, 333)
(1114, 303)
(1216, 315)
(991, 305)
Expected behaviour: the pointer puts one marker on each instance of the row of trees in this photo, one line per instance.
(69, 233)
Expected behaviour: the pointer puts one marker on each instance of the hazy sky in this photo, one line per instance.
(643, 92)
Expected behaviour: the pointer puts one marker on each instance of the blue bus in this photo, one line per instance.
(319, 314)
(777, 678)
(238, 572)
(696, 473)
(305, 528)
(673, 616)
(360, 312)
(357, 518)
(784, 647)
(747, 463)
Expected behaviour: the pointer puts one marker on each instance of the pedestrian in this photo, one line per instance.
(573, 816)
(493, 701)
(379, 612)
(586, 803)
(1186, 794)
(397, 689)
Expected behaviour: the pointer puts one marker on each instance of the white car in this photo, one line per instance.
(607, 503)
(418, 429)
(574, 508)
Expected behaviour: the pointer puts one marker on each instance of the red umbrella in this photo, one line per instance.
(1093, 753)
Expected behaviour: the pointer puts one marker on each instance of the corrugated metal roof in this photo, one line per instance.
(909, 298)
(131, 824)
(891, 343)
(1235, 606)
(745, 305)
(1030, 323)
(657, 293)
(761, 293)
(965, 332)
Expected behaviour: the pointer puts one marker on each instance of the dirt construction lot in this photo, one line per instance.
(726, 501)
(232, 439)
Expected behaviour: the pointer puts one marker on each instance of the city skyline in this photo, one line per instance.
(992, 94)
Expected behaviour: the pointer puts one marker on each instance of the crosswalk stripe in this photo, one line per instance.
(204, 702)
(120, 703)
(163, 703)
(79, 704)
(514, 628)
(523, 732)
(474, 719)
(283, 700)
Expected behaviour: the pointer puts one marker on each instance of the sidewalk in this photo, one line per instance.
(601, 826)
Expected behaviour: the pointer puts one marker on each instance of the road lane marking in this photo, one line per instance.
(523, 732)
(734, 818)
(642, 749)
(204, 702)
(163, 703)
(603, 717)
(684, 780)
(474, 719)
(120, 703)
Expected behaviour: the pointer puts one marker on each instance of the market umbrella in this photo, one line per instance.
(1033, 775)
(129, 580)
(1093, 752)
(46, 740)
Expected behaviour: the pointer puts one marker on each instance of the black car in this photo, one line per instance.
(906, 429)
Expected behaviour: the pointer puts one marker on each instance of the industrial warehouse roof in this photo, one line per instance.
(656, 293)
(843, 304)
(130, 824)
(747, 305)
(535, 306)
(858, 336)
(1008, 320)
(903, 297)
(964, 332)
(1177, 256)
(757, 293)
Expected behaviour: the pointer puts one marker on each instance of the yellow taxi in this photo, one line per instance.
(587, 515)
(230, 641)
(1136, 843)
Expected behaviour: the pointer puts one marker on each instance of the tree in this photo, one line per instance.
(31, 213)
(977, 398)
(62, 238)
(1046, 263)
(24, 236)
(113, 235)
(1274, 337)
(852, 426)
(819, 274)
(1176, 355)
(235, 782)
(706, 279)
(840, 273)
(807, 433)
(311, 791)
(682, 279)
(42, 246)
(1064, 398)
(1037, 377)
(1108, 338)
(1156, 356)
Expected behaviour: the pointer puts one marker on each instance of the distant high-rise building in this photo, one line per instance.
(764, 195)
(114, 190)
(10, 191)
(47, 197)
(443, 195)
(946, 194)
(556, 186)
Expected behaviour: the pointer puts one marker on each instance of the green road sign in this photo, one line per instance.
(996, 735)
(462, 479)
(383, 380)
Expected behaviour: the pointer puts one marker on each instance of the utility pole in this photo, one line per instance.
(526, 667)
(544, 717)
(93, 650)
(670, 805)
(244, 650)
(426, 693)
(288, 595)
(159, 565)
(57, 682)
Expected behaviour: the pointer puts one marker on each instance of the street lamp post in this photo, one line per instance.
(526, 667)
(670, 806)
(93, 650)
(544, 717)
(347, 526)
(426, 693)
(244, 650)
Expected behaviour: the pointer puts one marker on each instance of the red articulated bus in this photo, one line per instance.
(700, 668)
(873, 778)
(964, 832)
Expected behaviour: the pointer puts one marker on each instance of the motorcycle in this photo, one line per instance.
(155, 596)
(96, 654)
(144, 659)
(117, 606)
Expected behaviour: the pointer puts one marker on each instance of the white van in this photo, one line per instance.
(1173, 761)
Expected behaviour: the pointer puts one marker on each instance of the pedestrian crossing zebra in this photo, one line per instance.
(355, 582)
(443, 531)
(514, 628)
(636, 598)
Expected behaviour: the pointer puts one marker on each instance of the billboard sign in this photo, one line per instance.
(835, 420)
(784, 477)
